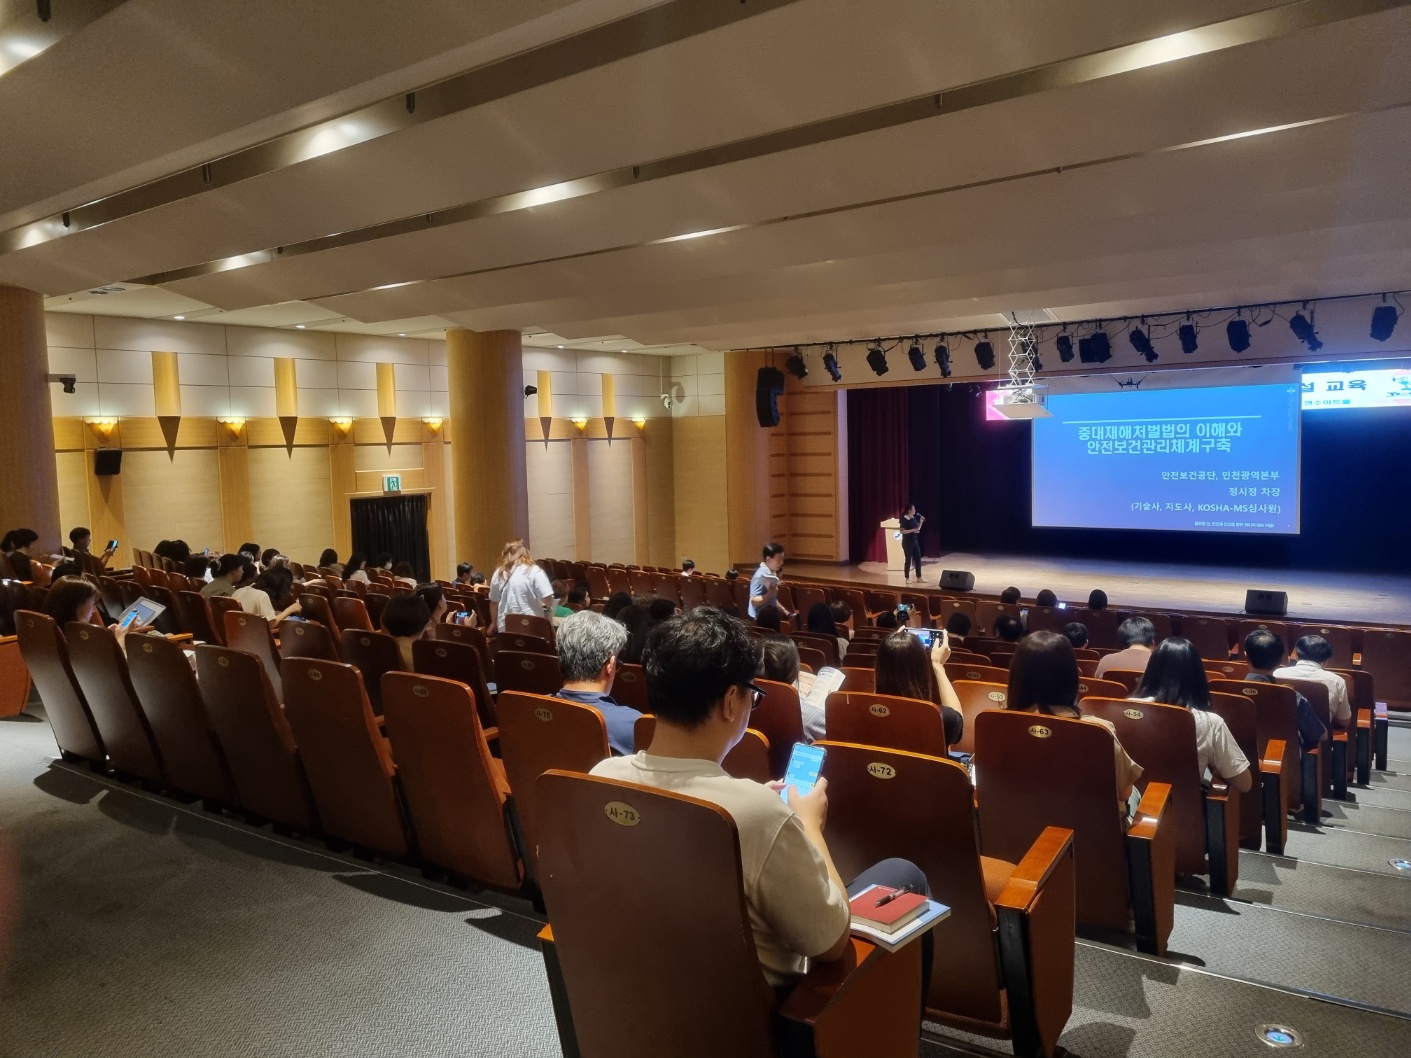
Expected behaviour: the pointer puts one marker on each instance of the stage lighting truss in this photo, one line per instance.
(1021, 397)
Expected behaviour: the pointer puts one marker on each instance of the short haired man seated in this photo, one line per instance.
(1137, 636)
(700, 671)
(1264, 651)
(1310, 655)
(588, 645)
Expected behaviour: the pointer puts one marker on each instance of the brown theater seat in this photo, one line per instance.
(473, 637)
(1035, 771)
(1092, 687)
(101, 671)
(532, 673)
(827, 645)
(457, 660)
(521, 624)
(885, 720)
(351, 612)
(252, 634)
(630, 687)
(982, 672)
(858, 679)
(456, 792)
(1363, 698)
(306, 639)
(1276, 720)
(194, 613)
(373, 654)
(524, 644)
(1101, 625)
(976, 696)
(747, 759)
(1262, 814)
(255, 737)
(346, 759)
(606, 848)
(46, 655)
(317, 607)
(1332, 771)
(1347, 642)
(780, 720)
(885, 803)
(1210, 635)
(14, 677)
(1128, 678)
(693, 592)
(171, 700)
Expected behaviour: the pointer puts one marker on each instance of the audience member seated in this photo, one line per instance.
(1008, 628)
(463, 572)
(688, 568)
(732, 574)
(1043, 678)
(435, 600)
(561, 609)
(1264, 650)
(958, 626)
(384, 562)
(1046, 598)
(1175, 675)
(820, 622)
(1137, 636)
(1097, 599)
(257, 592)
(519, 586)
(1310, 655)
(269, 557)
(18, 546)
(662, 610)
(76, 599)
(617, 602)
(81, 540)
(770, 618)
(1076, 633)
(67, 568)
(477, 578)
(230, 570)
(356, 568)
(406, 619)
(403, 573)
(887, 619)
(588, 645)
(843, 622)
(329, 561)
(779, 661)
(1010, 596)
(906, 669)
(700, 670)
(577, 598)
(637, 620)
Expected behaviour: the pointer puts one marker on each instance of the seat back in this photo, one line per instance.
(1162, 739)
(747, 759)
(885, 720)
(693, 593)
(351, 612)
(1318, 697)
(1034, 771)
(977, 696)
(254, 736)
(807, 597)
(1047, 619)
(345, 757)
(1279, 628)
(306, 639)
(667, 586)
(171, 700)
(598, 873)
(452, 660)
(780, 720)
(598, 586)
(826, 645)
(525, 644)
(630, 687)
(1275, 716)
(960, 670)
(1386, 654)
(473, 637)
(251, 633)
(859, 679)
(101, 670)
(523, 624)
(1211, 636)
(316, 607)
(639, 582)
(46, 655)
(376, 602)
(538, 733)
(1238, 712)
(1101, 626)
(455, 794)
(1126, 678)
(1346, 641)
(987, 611)
(1160, 621)
(532, 673)
(195, 616)
(884, 803)
(1092, 687)
(373, 654)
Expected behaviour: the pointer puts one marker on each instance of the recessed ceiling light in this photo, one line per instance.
(560, 347)
(298, 326)
(624, 350)
(178, 317)
(401, 334)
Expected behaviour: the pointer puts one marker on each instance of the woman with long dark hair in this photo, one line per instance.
(1175, 675)
(905, 668)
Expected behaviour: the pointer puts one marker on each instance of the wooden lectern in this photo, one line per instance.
(896, 557)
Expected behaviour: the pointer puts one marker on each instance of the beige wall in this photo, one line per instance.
(172, 496)
(73, 492)
(289, 501)
(698, 472)
(549, 474)
(610, 501)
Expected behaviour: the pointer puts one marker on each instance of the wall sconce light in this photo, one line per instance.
(103, 428)
(342, 425)
(434, 425)
(232, 426)
(640, 421)
(580, 422)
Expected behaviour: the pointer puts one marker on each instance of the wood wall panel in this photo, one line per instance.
(289, 506)
(172, 497)
(433, 459)
(237, 526)
(549, 474)
(342, 483)
(379, 459)
(702, 529)
(73, 493)
(610, 501)
(661, 494)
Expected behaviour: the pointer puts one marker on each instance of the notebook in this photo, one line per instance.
(891, 916)
(815, 688)
(928, 915)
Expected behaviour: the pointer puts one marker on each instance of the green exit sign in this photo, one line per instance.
(391, 482)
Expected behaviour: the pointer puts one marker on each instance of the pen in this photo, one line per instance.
(892, 896)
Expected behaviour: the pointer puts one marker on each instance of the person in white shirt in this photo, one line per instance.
(700, 671)
(356, 568)
(256, 594)
(519, 586)
(1175, 675)
(1309, 655)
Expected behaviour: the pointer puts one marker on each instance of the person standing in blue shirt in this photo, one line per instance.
(764, 585)
(588, 645)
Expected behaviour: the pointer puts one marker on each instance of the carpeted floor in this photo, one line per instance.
(152, 929)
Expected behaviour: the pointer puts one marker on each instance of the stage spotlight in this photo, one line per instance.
(830, 364)
(1095, 348)
(942, 355)
(796, 365)
(1187, 336)
(917, 356)
(877, 360)
(1384, 319)
(1237, 331)
(985, 355)
(1065, 348)
(1142, 344)
(1304, 332)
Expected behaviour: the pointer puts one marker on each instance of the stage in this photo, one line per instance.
(1360, 598)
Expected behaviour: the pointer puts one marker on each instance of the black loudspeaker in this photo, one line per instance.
(957, 580)
(1266, 603)
(107, 462)
(767, 390)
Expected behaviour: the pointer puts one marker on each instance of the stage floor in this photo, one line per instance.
(1362, 598)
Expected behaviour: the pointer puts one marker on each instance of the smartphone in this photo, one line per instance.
(926, 635)
(903, 608)
(127, 621)
(461, 615)
(1063, 606)
(805, 762)
(112, 545)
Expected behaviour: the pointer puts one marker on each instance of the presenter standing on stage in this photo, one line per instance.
(911, 523)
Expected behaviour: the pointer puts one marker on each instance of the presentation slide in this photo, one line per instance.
(1218, 460)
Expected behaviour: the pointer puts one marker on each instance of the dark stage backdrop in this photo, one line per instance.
(971, 478)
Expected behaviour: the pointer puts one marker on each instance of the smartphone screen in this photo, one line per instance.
(805, 762)
(461, 615)
(1063, 606)
(112, 544)
(926, 635)
(128, 620)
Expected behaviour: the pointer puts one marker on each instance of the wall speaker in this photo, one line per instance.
(957, 580)
(1266, 603)
(107, 462)
(769, 386)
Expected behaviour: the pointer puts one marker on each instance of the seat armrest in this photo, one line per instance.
(1222, 837)
(1363, 747)
(1271, 779)
(1338, 786)
(558, 994)
(1310, 781)
(1036, 917)
(1151, 869)
(867, 1002)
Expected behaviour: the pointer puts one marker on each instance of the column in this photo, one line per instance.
(746, 460)
(29, 477)
(486, 432)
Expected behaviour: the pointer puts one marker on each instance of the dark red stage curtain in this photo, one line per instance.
(878, 467)
(932, 464)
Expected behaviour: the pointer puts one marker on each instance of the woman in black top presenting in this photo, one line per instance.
(911, 523)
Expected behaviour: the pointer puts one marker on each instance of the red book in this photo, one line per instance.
(892, 915)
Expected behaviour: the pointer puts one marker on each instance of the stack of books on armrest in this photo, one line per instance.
(891, 918)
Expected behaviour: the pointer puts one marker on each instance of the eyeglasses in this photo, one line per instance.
(757, 694)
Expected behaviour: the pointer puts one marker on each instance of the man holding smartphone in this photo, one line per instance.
(81, 540)
(700, 671)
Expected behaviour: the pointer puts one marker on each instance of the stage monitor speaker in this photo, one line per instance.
(769, 386)
(1266, 603)
(107, 462)
(957, 580)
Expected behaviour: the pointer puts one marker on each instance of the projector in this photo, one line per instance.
(1023, 402)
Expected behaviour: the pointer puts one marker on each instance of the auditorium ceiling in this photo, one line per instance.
(708, 173)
